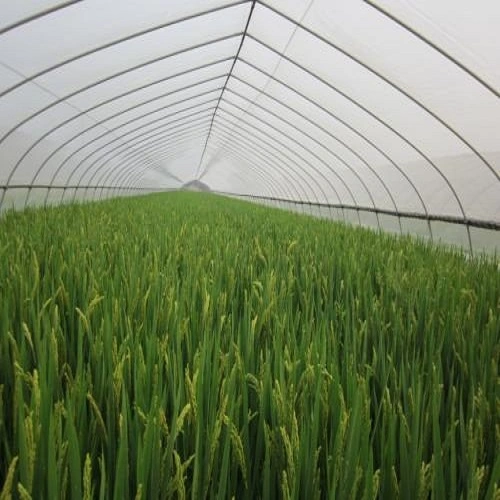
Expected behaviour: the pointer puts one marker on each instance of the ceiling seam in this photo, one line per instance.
(285, 48)
(243, 36)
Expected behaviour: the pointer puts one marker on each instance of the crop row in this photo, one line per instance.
(186, 345)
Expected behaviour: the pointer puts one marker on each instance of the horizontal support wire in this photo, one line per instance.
(478, 223)
(74, 186)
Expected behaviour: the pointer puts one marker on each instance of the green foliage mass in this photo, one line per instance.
(187, 345)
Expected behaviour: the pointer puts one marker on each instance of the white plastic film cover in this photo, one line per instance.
(384, 113)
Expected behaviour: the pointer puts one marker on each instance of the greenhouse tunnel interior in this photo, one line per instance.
(382, 113)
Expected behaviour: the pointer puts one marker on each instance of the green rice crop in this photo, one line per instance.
(189, 346)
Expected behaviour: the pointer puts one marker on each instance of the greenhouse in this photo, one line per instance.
(250, 249)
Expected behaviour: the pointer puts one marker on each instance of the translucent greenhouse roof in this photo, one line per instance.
(387, 111)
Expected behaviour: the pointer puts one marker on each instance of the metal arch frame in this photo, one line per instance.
(138, 173)
(235, 152)
(126, 175)
(144, 148)
(402, 92)
(260, 171)
(232, 143)
(178, 147)
(99, 181)
(285, 172)
(236, 128)
(121, 171)
(38, 15)
(325, 131)
(134, 174)
(120, 40)
(109, 176)
(322, 161)
(126, 110)
(142, 127)
(240, 174)
(174, 147)
(154, 129)
(121, 144)
(109, 100)
(278, 153)
(255, 171)
(438, 49)
(385, 80)
(305, 162)
(269, 157)
(370, 113)
(112, 130)
(379, 120)
(268, 183)
(343, 122)
(101, 81)
(150, 134)
(242, 39)
(139, 153)
(237, 55)
(96, 83)
(238, 151)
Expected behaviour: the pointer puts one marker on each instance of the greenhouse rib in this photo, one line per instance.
(345, 124)
(381, 121)
(119, 41)
(38, 15)
(323, 129)
(317, 142)
(430, 43)
(107, 101)
(101, 81)
(392, 84)
(280, 147)
(273, 158)
(101, 158)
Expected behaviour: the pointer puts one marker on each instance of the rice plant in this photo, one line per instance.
(190, 346)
